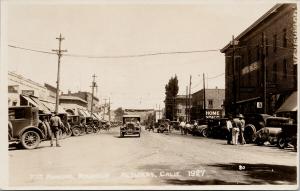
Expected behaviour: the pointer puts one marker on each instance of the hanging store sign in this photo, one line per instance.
(250, 68)
(259, 104)
(212, 114)
(28, 92)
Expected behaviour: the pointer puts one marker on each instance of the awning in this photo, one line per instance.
(51, 107)
(41, 106)
(290, 104)
(82, 113)
(30, 101)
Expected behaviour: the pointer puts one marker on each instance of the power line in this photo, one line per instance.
(118, 56)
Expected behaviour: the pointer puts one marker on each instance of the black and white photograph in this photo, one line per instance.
(156, 95)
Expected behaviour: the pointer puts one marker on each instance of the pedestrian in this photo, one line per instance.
(242, 128)
(56, 125)
(235, 130)
(182, 125)
(229, 130)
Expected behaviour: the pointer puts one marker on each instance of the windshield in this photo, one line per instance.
(130, 119)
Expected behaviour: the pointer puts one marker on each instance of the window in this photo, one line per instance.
(267, 47)
(210, 103)
(274, 42)
(285, 66)
(274, 76)
(257, 52)
(284, 38)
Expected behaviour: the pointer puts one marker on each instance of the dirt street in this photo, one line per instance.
(104, 159)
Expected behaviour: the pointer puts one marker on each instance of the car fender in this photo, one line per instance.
(252, 127)
(32, 128)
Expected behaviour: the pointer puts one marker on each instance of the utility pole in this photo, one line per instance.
(59, 54)
(186, 103)
(159, 111)
(104, 108)
(265, 71)
(93, 86)
(204, 99)
(190, 97)
(109, 109)
(233, 43)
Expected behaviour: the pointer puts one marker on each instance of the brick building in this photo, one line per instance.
(87, 96)
(269, 43)
(214, 100)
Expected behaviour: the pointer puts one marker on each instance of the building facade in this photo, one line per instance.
(182, 108)
(87, 96)
(72, 104)
(261, 63)
(214, 101)
(19, 85)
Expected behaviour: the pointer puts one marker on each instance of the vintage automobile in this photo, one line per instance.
(287, 136)
(272, 130)
(76, 122)
(131, 125)
(253, 123)
(174, 125)
(89, 123)
(217, 128)
(24, 126)
(164, 125)
(201, 129)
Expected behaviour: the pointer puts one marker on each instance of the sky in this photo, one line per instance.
(99, 28)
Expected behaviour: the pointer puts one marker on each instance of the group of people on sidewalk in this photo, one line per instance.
(236, 127)
(51, 128)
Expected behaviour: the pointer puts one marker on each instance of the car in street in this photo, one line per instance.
(174, 125)
(288, 136)
(24, 126)
(253, 123)
(76, 123)
(131, 125)
(217, 128)
(163, 125)
(272, 130)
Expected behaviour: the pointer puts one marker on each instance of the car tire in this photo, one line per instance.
(281, 143)
(205, 132)
(30, 139)
(249, 133)
(76, 131)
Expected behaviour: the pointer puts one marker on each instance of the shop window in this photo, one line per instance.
(275, 43)
(274, 73)
(285, 66)
(210, 103)
(284, 38)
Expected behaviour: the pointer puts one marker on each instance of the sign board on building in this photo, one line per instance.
(249, 68)
(28, 92)
(259, 104)
(213, 113)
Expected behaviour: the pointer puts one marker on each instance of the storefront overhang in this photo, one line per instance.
(29, 100)
(290, 104)
(37, 103)
(248, 100)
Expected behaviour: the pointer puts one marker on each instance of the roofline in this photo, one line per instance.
(255, 24)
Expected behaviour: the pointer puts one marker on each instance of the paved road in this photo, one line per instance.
(153, 159)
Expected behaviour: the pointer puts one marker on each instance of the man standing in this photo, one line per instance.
(242, 128)
(235, 130)
(182, 125)
(229, 128)
(55, 124)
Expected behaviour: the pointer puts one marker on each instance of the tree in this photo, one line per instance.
(171, 93)
(119, 112)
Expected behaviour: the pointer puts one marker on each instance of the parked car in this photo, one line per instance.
(66, 130)
(24, 126)
(253, 123)
(131, 125)
(163, 125)
(174, 125)
(272, 130)
(288, 135)
(217, 128)
(76, 123)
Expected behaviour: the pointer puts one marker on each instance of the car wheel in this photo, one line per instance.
(30, 139)
(76, 131)
(89, 130)
(281, 143)
(249, 133)
(205, 132)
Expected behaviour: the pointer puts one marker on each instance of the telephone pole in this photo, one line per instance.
(264, 62)
(233, 43)
(59, 54)
(186, 103)
(109, 109)
(93, 86)
(204, 99)
(190, 97)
